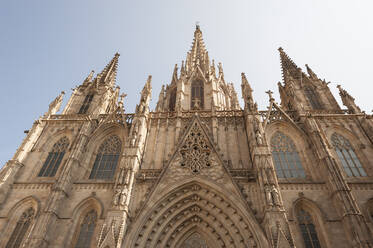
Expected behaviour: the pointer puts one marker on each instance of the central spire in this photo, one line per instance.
(198, 54)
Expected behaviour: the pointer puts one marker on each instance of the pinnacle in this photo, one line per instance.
(108, 74)
(288, 66)
(198, 54)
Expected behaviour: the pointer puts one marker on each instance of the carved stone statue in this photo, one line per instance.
(275, 196)
(268, 194)
(123, 196)
(116, 197)
(259, 138)
(135, 132)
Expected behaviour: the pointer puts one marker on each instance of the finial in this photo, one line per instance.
(197, 25)
(122, 96)
(269, 92)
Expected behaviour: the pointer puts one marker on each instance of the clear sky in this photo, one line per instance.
(50, 46)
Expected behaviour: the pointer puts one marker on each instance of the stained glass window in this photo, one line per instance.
(172, 102)
(347, 156)
(285, 157)
(312, 97)
(106, 159)
(307, 229)
(54, 158)
(197, 95)
(87, 228)
(87, 101)
(21, 228)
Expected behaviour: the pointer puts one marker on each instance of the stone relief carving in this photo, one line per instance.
(195, 152)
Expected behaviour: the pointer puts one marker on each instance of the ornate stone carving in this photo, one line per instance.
(195, 151)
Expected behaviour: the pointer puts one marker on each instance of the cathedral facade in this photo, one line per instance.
(199, 171)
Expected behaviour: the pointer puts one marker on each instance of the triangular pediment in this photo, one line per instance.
(195, 159)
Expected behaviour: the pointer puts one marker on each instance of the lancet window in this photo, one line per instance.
(197, 95)
(85, 106)
(54, 158)
(312, 97)
(285, 157)
(308, 230)
(347, 156)
(172, 101)
(107, 159)
(86, 230)
(20, 231)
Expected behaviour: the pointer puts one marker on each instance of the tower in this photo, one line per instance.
(198, 170)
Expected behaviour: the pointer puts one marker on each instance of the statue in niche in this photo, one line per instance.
(275, 196)
(116, 196)
(259, 138)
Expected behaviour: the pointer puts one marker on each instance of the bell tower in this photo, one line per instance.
(197, 87)
(303, 92)
(95, 95)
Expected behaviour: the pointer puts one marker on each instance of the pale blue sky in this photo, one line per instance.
(50, 46)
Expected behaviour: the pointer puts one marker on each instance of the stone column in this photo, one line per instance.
(115, 226)
(275, 221)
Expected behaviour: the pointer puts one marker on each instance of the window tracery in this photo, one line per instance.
(54, 158)
(285, 157)
(347, 156)
(86, 230)
(87, 101)
(308, 230)
(107, 159)
(312, 97)
(197, 100)
(195, 152)
(21, 229)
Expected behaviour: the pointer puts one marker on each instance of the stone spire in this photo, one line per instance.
(174, 75)
(348, 101)
(311, 73)
(108, 75)
(146, 92)
(247, 94)
(289, 68)
(89, 77)
(198, 54)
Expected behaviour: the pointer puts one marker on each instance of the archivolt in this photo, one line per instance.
(194, 206)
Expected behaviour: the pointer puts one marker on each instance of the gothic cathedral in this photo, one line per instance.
(199, 171)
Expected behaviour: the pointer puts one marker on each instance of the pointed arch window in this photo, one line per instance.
(197, 95)
(85, 106)
(308, 230)
(86, 229)
(107, 159)
(172, 102)
(21, 229)
(312, 97)
(285, 157)
(54, 158)
(347, 156)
